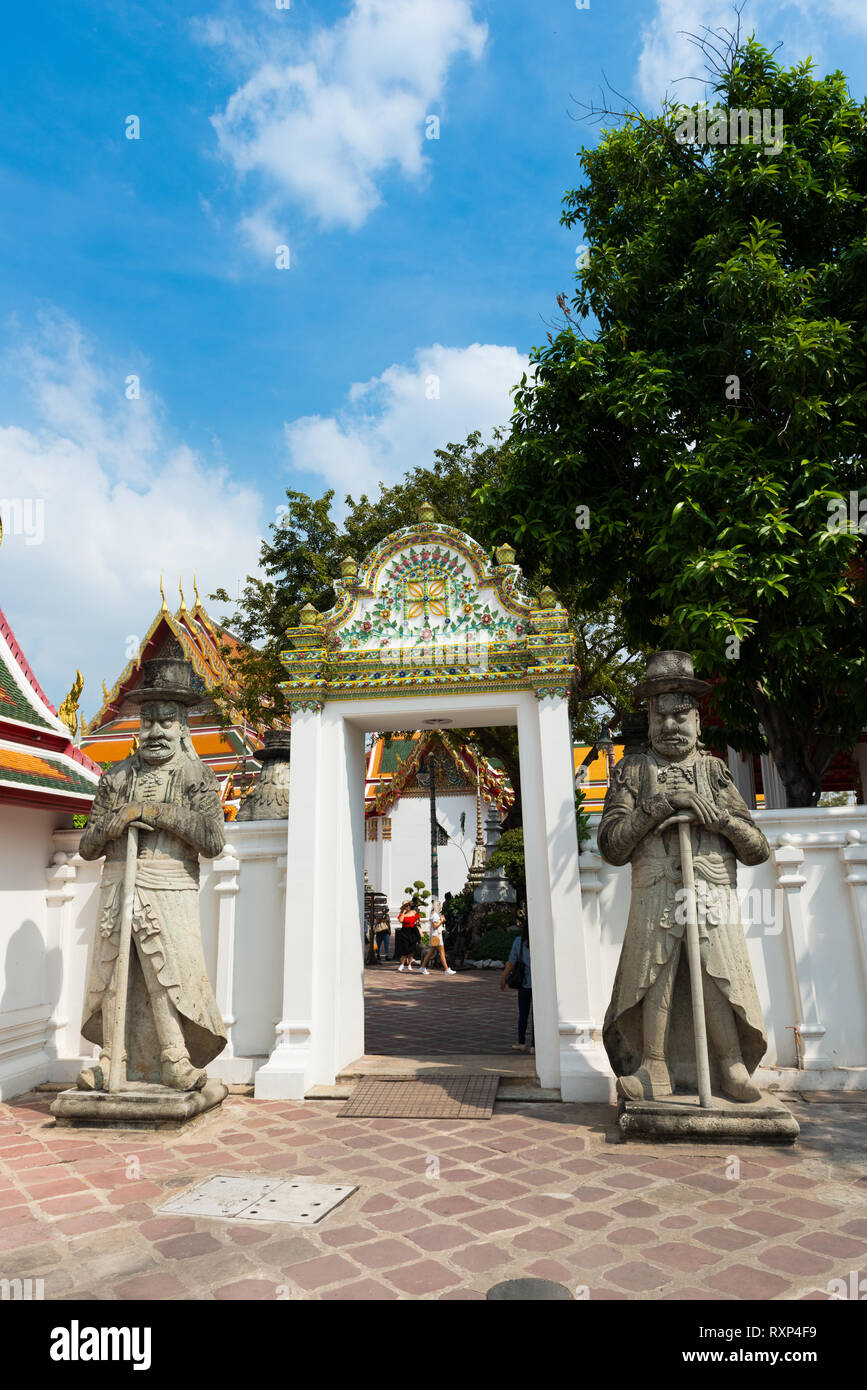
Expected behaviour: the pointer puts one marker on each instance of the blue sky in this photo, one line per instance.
(409, 259)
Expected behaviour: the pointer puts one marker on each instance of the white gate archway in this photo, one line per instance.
(428, 634)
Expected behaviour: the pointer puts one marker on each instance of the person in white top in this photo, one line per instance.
(437, 925)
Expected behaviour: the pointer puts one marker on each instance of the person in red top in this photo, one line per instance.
(407, 936)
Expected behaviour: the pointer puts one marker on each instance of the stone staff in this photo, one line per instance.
(117, 1067)
(693, 955)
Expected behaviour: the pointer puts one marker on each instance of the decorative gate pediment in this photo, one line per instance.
(428, 611)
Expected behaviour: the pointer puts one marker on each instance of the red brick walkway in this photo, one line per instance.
(444, 1208)
(409, 1016)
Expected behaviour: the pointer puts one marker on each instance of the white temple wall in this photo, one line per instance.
(390, 871)
(807, 939)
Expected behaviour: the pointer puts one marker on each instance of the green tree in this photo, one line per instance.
(508, 854)
(717, 418)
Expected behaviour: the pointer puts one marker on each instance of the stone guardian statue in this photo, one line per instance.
(173, 1026)
(648, 1030)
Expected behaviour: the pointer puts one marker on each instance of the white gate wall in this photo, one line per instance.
(807, 941)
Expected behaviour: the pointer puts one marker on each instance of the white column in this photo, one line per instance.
(569, 1053)
(743, 775)
(285, 1073)
(788, 858)
(226, 870)
(343, 1012)
(854, 857)
(64, 1036)
(772, 782)
(322, 1028)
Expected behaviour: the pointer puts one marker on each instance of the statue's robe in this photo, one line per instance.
(166, 909)
(634, 807)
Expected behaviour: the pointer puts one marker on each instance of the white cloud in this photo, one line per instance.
(667, 55)
(121, 504)
(393, 422)
(320, 121)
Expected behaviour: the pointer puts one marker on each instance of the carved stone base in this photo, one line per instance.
(141, 1106)
(680, 1117)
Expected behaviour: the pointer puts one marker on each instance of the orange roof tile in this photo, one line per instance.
(29, 762)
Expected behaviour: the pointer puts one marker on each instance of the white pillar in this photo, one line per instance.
(285, 1073)
(569, 1053)
(743, 775)
(788, 857)
(226, 870)
(854, 857)
(63, 1033)
(322, 1027)
(772, 783)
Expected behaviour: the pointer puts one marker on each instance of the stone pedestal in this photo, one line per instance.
(680, 1117)
(140, 1106)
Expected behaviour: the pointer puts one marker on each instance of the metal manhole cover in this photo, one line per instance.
(440, 1096)
(229, 1197)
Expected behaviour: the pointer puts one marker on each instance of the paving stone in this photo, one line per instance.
(480, 1258)
(830, 1243)
(187, 1246)
(680, 1256)
(428, 1276)
(247, 1290)
(362, 1290)
(550, 1269)
(157, 1286)
(743, 1281)
(789, 1259)
(626, 1180)
(767, 1223)
(636, 1278)
(541, 1239)
(327, 1269)
(348, 1235)
(163, 1226)
(495, 1219)
(802, 1206)
(283, 1250)
(589, 1220)
(545, 1204)
(726, 1237)
(439, 1237)
(636, 1207)
(631, 1235)
(595, 1257)
(381, 1253)
(456, 1205)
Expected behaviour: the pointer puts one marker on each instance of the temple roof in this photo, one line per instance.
(201, 641)
(39, 763)
(193, 635)
(393, 764)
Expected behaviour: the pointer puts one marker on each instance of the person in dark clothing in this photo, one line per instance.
(519, 960)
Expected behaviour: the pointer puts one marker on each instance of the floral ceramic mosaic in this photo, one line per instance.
(429, 610)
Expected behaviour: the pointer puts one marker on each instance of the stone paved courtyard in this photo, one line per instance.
(444, 1208)
(405, 1015)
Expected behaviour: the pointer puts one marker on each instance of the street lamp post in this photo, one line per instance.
(427, 778)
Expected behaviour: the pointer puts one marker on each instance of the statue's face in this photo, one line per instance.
(161, 732)
(674, 726)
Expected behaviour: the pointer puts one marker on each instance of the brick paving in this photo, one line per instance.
(428, 1015)
(444, 1208)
